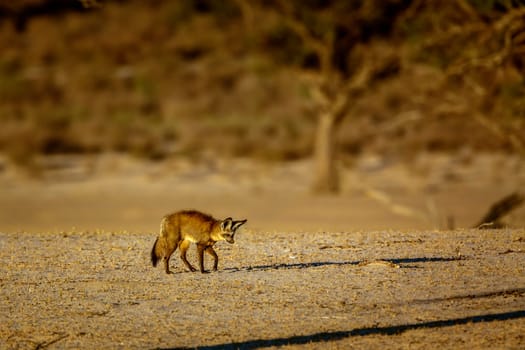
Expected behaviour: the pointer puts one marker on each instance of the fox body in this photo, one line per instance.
(182, 228)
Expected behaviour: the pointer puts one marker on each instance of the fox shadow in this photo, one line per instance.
(403, 262)
(366, 331)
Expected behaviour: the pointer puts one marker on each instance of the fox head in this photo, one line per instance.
(228, 228)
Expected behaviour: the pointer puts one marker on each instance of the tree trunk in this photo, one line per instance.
(326, 176)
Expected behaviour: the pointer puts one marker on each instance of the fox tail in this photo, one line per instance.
(154, 257)
(159, 246)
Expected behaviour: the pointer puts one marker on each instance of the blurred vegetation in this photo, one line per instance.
(161, 78)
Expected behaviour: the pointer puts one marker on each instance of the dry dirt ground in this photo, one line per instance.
(374, 267)
(383, 289)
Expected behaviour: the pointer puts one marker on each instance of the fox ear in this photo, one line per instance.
(237, 224)
(226, 223)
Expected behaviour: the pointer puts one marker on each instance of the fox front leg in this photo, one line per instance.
(200, 251)
(212, 252)
(184, 245)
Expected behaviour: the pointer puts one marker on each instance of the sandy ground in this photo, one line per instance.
(393, 289)
(373, 267)
(122, 194)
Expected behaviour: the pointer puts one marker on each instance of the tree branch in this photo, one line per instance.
(508, 27)
(497, 130)
(499, 209)
(323, 48)
(507, 18)
(372, 70)
(353, 86)
(247, 14)
(468, 9)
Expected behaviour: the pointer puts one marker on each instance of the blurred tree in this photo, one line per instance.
(481, 44)
(330, 37)
(21, 11)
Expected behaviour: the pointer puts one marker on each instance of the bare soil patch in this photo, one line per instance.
(463, 288)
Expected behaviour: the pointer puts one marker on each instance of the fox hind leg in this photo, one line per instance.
(167, 255)
(162, 250)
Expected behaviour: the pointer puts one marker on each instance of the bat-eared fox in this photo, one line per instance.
(182, 228)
